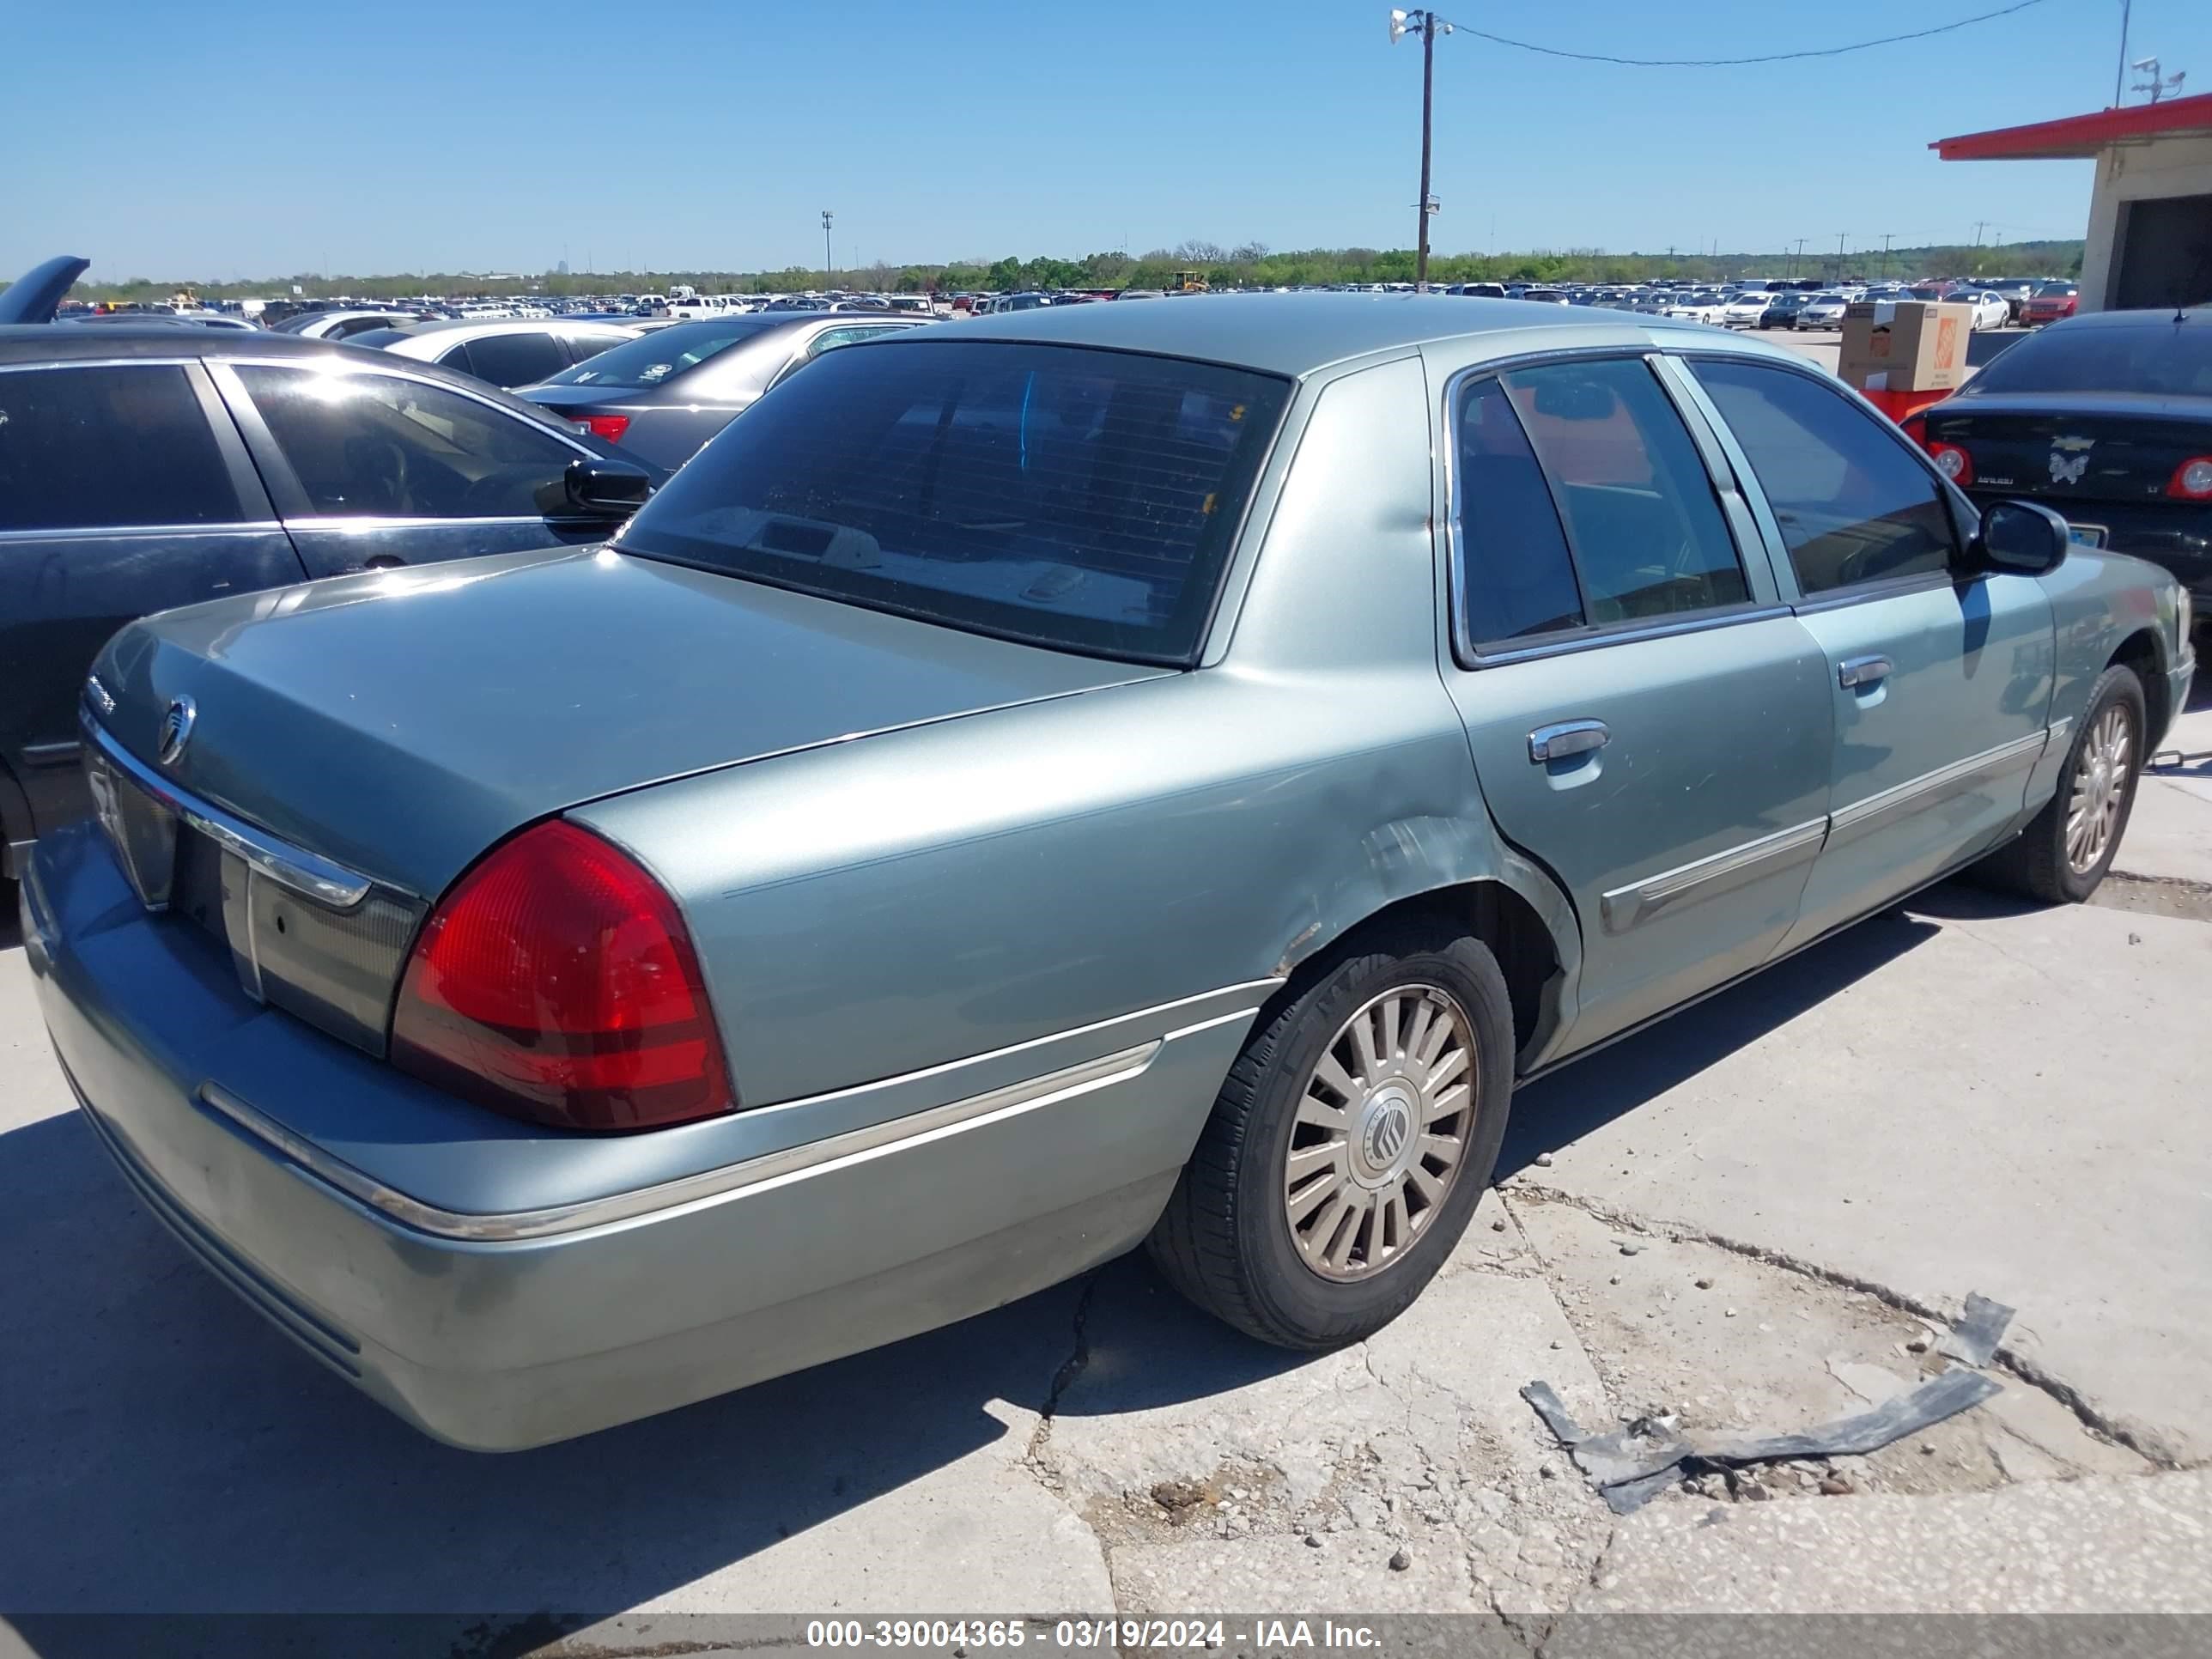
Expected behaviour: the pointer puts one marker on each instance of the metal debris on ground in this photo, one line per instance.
(1979, 1331)
(1632, 1465)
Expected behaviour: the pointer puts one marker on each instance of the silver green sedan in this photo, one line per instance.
(1100, 775)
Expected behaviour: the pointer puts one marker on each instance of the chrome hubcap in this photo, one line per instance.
(2101, 785)
(1382, 1125)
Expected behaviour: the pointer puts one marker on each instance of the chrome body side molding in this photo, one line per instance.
(1724, 871)
(770, 1169)
(1916, 795)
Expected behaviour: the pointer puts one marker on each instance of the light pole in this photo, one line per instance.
(826, 217)
(1427, 24)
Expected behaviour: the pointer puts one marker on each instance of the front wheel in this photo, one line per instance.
(2067, 847)
(1349, 1145)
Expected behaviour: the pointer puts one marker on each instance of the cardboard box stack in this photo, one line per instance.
(1905, 345)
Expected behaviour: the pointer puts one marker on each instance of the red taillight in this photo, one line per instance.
(1953, 462)
(610, 427)
(558, 982)
(2192, 479)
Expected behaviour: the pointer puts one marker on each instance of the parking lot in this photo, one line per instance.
(1751, 1218)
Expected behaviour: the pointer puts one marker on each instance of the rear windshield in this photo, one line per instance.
(2060, 290)
(377, 337)
(2162, 358)
(1072, 498)
(665, 353)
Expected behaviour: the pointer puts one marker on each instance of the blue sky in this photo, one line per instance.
(254, 139)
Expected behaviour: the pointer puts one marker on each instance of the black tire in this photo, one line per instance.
(1225, 1239)
(2035, 862)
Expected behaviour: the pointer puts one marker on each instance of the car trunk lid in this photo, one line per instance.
(2081, 446)
(398, 722)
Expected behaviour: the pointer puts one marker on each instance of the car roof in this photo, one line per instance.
(57, 342)
(48, 343)
(2147, 317)
(1291, 334)
(488, 325)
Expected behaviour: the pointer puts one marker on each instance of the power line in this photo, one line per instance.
(1730, 63)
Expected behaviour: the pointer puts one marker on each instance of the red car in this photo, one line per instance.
(2051, 303)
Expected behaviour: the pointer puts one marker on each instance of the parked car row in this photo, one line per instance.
(1794, 308)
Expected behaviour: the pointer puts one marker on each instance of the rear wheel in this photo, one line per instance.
(1349, 1145)
(2067, 847)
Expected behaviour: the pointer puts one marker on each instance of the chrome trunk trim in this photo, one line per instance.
(287, 866)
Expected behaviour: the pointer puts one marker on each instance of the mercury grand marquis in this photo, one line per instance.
(1062, 780)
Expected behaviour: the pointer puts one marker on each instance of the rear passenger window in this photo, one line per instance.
(1853, 504)
(1515, 577)
(94, 449)
(585, 347)
(1648, 534)
(512, 360)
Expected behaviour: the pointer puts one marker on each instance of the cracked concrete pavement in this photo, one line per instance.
(1755, 1216)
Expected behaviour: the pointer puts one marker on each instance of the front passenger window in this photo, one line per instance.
(375, 445)
(1853, 504)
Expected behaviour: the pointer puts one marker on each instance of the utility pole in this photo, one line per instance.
(2120, 75)
(826, 217)
(1796, 257)
(1427, 24)
(1980, 225)
(1839, 253)
(1886, 237)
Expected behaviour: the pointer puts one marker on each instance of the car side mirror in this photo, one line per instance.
(602, 486)
(2024, 537)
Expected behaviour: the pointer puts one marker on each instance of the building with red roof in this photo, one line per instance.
(2149, 241)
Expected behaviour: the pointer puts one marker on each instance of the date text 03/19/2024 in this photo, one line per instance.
(961, 1636)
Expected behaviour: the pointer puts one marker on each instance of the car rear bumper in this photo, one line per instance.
(576, 1322)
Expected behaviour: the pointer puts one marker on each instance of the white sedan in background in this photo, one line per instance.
(1699, 308)
(1991, 310)
(1744, 310)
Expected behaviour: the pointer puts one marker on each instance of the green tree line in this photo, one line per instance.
(1250, 265)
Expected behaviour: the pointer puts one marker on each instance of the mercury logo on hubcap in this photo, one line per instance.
(1386, 1128)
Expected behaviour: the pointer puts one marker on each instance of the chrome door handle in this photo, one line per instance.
(1863, 671)
(1551, 743)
